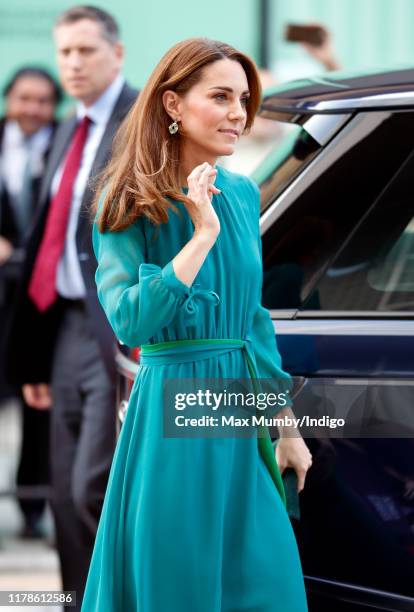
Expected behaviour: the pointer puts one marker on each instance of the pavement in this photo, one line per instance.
(25, 564)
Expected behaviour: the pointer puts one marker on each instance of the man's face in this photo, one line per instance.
(31, 103)
(87, 62)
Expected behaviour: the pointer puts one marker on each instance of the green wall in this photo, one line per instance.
(148, 29)
(367, 33)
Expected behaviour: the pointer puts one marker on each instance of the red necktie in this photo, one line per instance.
(42, 287)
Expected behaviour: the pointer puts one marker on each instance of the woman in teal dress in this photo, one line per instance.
(193, 524)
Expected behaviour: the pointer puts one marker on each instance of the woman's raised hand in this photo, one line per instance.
(201, 189)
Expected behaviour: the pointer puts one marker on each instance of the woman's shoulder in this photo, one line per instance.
(234, 181)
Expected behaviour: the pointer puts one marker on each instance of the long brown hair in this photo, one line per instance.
(144, 168)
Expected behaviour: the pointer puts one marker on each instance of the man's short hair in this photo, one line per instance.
(34, 72)
(109, 26)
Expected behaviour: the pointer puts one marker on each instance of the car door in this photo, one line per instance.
(338, 256)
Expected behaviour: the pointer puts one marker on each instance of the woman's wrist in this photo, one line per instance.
(188, 261)
(289, 430)
(205, 238)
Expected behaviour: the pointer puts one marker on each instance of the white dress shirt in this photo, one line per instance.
(69, 281)
(19, 150)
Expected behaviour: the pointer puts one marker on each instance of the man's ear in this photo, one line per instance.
(171, 102)
(119, 51)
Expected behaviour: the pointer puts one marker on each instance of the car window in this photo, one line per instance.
(301, 245)
(375, 269)
(284, 163)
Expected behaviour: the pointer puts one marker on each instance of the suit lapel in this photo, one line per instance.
(103, 154)
(46, 156)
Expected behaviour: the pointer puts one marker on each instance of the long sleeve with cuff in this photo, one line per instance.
(138, 298)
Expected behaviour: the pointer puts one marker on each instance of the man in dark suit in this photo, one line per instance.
(62, 347)
(31, 97)
(26, 131)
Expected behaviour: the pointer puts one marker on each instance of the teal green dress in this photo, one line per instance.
(191, 524)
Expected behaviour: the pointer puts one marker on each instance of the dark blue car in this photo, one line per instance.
(338, 255)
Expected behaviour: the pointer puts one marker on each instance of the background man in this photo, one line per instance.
(61, 344)
(31, 97)
(26, 131)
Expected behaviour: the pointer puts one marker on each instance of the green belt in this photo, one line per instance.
(185, 351)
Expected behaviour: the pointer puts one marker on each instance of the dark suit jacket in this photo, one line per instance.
(8, 223)
(32, 334)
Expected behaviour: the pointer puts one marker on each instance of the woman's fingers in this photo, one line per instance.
(208, 172)
(301, 474)
(206, 180)
(200, 192)
(197, 170)
(200, 180)
(302, 471)
(281, 462)
(201, 172)
(293, 453)
(214, 189)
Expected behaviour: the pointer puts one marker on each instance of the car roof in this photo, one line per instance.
(341, 92)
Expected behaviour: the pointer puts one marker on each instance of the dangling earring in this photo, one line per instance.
(173, 127)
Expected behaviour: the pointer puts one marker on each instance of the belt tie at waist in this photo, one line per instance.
(185, 351)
